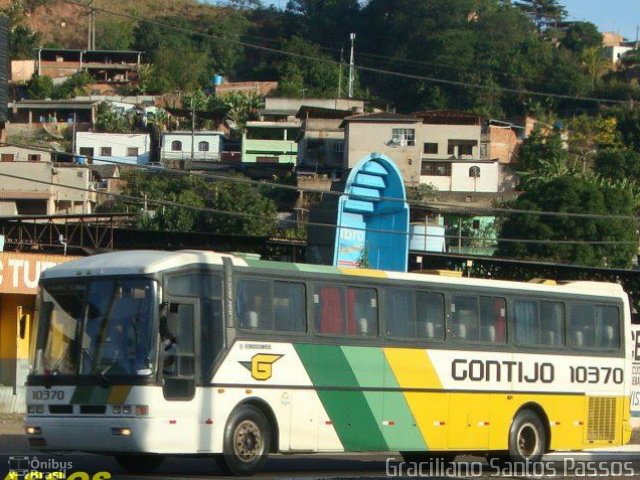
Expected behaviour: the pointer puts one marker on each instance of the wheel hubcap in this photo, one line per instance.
(247, 441)
(528, 441)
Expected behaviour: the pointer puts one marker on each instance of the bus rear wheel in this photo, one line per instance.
(246, 442)
(142, 463)
(527, 438)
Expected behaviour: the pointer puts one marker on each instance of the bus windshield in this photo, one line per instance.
(96, 328)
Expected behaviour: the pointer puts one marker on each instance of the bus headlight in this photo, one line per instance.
(33, 431)
(121, 432)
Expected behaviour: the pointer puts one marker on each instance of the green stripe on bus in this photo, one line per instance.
(390, 409)
(348, 410)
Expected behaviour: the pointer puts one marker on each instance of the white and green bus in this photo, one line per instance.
(145, 354)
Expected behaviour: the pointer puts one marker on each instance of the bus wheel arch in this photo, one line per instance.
(267, 411)
(529, 423)
(538, 410)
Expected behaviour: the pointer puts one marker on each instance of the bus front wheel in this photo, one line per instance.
(246, 441)
(527, 437)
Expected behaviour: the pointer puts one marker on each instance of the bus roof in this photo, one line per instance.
(132, 262)
(136, 262)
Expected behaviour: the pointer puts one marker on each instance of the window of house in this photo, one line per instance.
(430, 148)
(176, 146)
(465, 149)
(203, 146)
(484, 151)
(7, 157)
(33, 157)
(86, 151)
(474, 172)
(132, 151)
(436, 169)
(338, 146)
(105, 151)
(80, 174)
(405, 137)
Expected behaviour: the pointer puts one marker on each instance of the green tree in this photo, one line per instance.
(22, 43)
(113, 34)
(75, 85)
(616, 163)
(542, 156)
(250, 213)
(575, 195)
(628, 121)
(40, 87)
(580, 36)
(112, 121)
(594, 63)
(542, 12)
(300, 77)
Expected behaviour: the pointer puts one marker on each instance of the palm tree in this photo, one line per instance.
(594, 63)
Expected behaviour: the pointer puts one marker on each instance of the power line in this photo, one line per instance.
(434, 207)
(169, 203)
(363, 68)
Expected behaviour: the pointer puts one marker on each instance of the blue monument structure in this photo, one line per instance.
(371, 218)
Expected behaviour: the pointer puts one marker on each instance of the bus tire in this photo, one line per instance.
(246, 442)
(527, 438)
(141, 463)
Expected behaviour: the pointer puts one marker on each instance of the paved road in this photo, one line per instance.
(334, 467)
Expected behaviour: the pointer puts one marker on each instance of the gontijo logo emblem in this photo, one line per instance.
(261, 365)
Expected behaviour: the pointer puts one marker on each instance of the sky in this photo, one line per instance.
(609, 15)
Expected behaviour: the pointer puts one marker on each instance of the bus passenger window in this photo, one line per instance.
(430, 316)
(551, 324)
(362, 312)
(607, 327)
(464, 318)
(253, 304)
(493, 319)
(289, 307)
(582, 329)
(329, 309)
(399, 313)
(527, 322)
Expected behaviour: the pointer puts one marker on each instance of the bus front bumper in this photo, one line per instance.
(104, 434)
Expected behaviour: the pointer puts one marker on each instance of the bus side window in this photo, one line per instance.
(400, 313)
(552, 323)
(289, 307)
(582, 325)
(254, 304)
(429, 316)
(493, 319)
(362, 312)
(607, 327)
(464, 317)
(329, 309)
(527, 322)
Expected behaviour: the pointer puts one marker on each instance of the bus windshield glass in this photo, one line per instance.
(96, 328)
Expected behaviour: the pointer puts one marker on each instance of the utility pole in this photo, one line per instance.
(193, 127)
(340, 76)
(91, 33)
(351, 69)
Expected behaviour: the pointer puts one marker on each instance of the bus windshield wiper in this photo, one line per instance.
(94, 365)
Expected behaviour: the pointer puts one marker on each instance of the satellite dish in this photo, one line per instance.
(231, 124)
